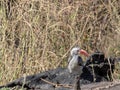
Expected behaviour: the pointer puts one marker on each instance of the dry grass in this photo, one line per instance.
(38, 34)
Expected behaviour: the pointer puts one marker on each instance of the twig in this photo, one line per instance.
(99, 65)
(57, 85)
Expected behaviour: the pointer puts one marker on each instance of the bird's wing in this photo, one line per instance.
(80, 61)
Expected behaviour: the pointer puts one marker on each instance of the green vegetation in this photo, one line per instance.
(37, 35)
(4, 89)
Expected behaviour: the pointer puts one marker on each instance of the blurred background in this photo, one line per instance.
(37, 35)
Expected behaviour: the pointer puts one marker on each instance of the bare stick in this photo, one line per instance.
(57, 85)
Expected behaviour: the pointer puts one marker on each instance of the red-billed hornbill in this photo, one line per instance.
(75, 63)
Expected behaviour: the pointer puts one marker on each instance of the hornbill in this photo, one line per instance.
(75, 64)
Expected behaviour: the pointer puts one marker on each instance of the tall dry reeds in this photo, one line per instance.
(37, 35)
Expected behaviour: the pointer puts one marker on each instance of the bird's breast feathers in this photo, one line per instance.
(73, 64)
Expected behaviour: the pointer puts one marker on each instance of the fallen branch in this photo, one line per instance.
(57, 85)
(112, 84)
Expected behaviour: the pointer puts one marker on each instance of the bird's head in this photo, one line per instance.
(77, 51)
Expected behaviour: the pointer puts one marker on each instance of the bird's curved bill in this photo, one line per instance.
(83, 52)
